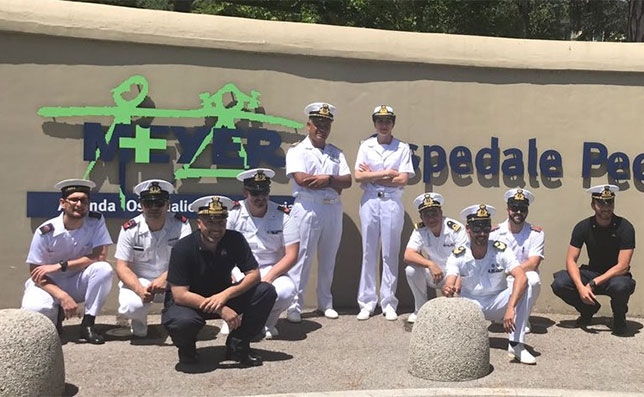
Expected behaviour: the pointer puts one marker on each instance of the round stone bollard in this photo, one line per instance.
(449, 341)
(31, 357)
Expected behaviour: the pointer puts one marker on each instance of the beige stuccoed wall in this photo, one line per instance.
(447, 91)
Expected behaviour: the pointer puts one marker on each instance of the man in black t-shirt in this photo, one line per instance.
(610, 241)
(199, 277)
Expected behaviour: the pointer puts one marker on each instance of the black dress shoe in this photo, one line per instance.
(619, 326)
(88, 333)
(188, 356)
(246, 357)
(584, 320)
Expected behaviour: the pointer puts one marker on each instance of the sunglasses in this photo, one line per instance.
(480, 229)
(153, 203)
(257, 193)
(518, 208)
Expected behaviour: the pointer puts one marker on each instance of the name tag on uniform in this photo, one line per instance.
(448, 244)
(495, 269)
(273, 231)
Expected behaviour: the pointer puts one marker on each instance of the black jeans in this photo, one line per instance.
(183, 323)
(619, 288)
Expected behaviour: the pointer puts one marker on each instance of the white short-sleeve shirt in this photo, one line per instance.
(149, 252)
(485, 276)
(438, 249)
(393, 156)
(268, 235)
(528, 242)
(52, 243)
(304, 157)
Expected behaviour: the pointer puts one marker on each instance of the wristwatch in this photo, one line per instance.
(63, 266)
(592, 284)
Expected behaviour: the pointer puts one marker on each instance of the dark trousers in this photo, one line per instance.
(183, 323)
(619, 288)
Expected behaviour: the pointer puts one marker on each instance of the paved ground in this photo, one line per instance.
(344, 356)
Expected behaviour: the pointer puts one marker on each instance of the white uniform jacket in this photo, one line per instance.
(438, 249)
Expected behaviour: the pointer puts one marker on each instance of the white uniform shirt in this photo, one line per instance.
(396, 156)
(438, 249)
(267, 236)
(485, 276)
(149, 252)
(528, 242)
(304, 157)
(52, 243)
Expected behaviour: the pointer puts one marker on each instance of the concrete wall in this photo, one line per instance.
(447, 90)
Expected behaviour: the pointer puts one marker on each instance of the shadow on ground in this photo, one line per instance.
(603, 324)
(213, 357)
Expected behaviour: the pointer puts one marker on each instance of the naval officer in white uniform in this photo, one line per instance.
(429, 246)
(319, 172)
(143, 252)
(483, 265)
(524, 239)
(272, 235)
(67, 262)
(383, 168)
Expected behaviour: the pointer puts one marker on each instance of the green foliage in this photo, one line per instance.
(599, 20)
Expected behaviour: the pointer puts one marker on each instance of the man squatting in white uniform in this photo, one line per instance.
(319, 172)
(524, 239)
(482, 266)
(429, 246)
(143, 252)
(383, 167)
(272, 235)
(67, 262)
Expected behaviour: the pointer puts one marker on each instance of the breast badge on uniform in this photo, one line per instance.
(129, 224)
(454, 226)
(46, 228)
(458, 250)
(500, 245)
(419, 225)
(181, 217)
(284, 208)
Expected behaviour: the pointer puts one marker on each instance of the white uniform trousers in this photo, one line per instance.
(320, 230)
(419, 278)
(131, 306)
(380, 218)
(91, 285)
(494, 307)
(534, 282)
(286, 291)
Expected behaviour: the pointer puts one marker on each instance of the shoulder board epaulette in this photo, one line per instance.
(538, 229)
(284, 208)
(495, 227)
(129, 224)
(46, 228)
(500, 245)
(458, 250)
(454, 226)
(95, 215)
(419, 225)
(180, 217)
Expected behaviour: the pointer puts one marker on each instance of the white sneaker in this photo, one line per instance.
(521, 353)
(294, 317)
(364, 315)
(412, 318)
(139, 328)
(528, 327)
(330, 313)
(224, 330)
(270, 332)
(390, 314)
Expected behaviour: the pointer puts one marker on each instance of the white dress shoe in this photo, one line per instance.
(139, 328)
(364, 315)
(294, 317)
(330, 313)
(412, 318)
(270, 332)
(521, 353)
(390, 314)
(224, 330)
